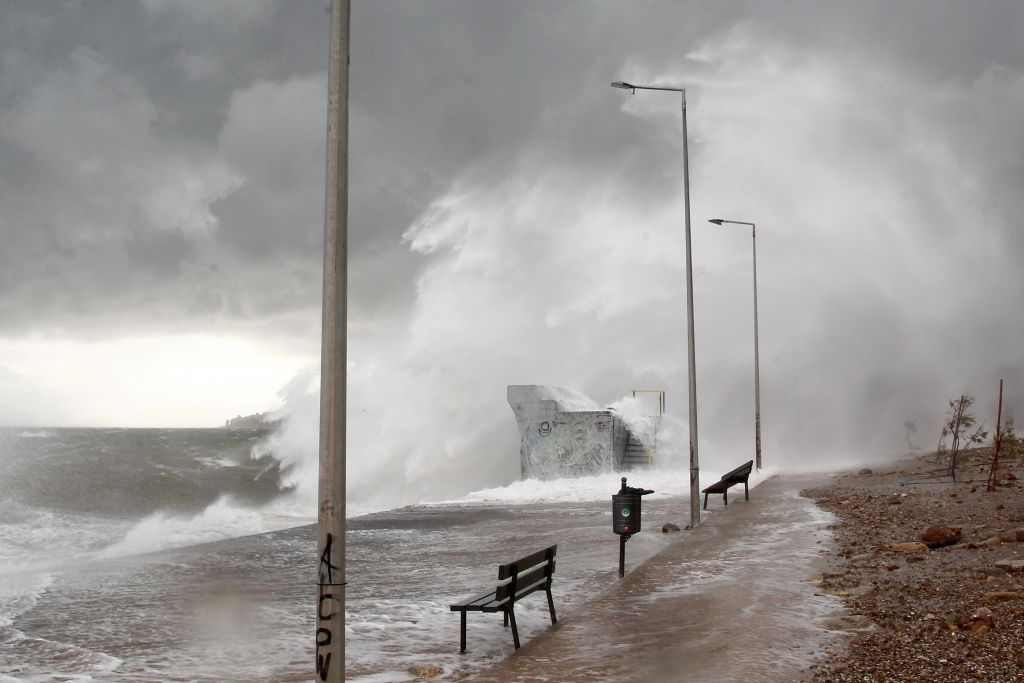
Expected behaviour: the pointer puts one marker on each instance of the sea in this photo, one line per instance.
(184, 555)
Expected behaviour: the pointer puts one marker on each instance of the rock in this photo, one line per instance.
(1001, 596)
(1015, 517)
(1019, 535)
(939, 536)
(864, 470)
(994, 540)
(895, 501)
(1011, 564)
(1010, 476)
(978, 621)
(849, 622)
(426, 671)
(912, 547)
(669, 527)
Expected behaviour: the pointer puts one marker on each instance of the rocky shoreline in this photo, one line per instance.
(941, 606)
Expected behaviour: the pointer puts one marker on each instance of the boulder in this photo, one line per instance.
(849, 622)
(1019, 535)
(669, 527)
(1011, 564)
(865, 470)
(912, 547)
(978, 621)
(426, 671)
(939, 536)
(1001, 596)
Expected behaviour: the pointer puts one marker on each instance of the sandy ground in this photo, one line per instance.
(951, 613)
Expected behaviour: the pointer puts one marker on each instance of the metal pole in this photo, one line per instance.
(622, 555)
(991, 484)
(757, 365)
(692, 356)
(757, 362)
(330, 607)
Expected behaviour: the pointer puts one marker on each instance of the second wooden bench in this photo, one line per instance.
(736, 476)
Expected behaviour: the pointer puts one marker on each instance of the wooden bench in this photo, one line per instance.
(516, 580)
(737, 476)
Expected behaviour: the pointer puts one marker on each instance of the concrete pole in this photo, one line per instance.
(757, 361)
(692, 354)
(330, 606)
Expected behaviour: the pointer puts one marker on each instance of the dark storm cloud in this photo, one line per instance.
(122, 140)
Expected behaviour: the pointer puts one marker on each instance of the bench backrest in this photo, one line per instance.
(525, 574)
(741, 472)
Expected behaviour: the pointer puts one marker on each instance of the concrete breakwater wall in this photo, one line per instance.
(565, 433)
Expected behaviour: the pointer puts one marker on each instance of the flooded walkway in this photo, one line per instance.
(733, 601)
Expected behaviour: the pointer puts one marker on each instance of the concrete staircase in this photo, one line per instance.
(637, 456)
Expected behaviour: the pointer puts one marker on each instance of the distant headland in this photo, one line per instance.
(254, 421)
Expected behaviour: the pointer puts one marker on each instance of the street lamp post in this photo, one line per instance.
(691, 357)
(757, 368)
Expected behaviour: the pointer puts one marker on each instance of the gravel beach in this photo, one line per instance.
(948, 610)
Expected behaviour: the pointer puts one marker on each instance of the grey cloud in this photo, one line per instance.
(878, 143)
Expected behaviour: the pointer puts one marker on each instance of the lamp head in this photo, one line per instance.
(625, 86)
(716, 221)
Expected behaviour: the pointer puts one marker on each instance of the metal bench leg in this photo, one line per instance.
(515, 632)
(551, 606)
(725, 497)
(705, 501)
(746, 491)
(462, 634)
(504, 619)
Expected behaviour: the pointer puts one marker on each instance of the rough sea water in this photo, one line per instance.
(173, 555)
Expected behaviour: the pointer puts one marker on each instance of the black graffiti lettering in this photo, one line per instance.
(323, 665)
(323, 662)
(320, 607)
(325, 562)
(324, 636)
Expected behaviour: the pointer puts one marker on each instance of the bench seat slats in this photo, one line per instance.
(540, 574)
(506, 570)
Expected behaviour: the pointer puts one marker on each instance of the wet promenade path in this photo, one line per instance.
(733, 601)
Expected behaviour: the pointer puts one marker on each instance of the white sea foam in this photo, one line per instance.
(216, 462)
(666, 483)
(37, 434)
(20, 592)
(221, 520)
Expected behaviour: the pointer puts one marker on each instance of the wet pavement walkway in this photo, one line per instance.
(732, 601)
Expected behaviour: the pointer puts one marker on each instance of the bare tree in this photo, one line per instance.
(961, 425)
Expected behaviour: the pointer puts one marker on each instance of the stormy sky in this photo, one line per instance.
(513, 219)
